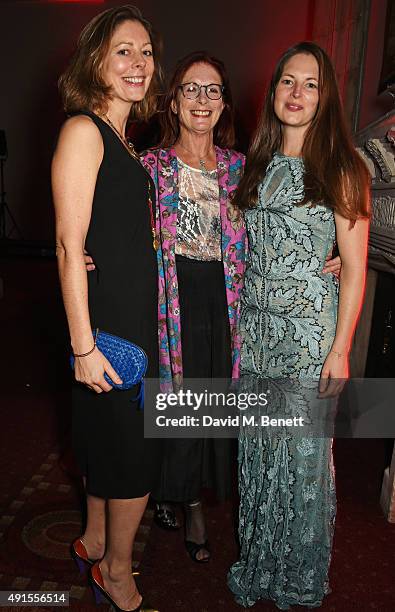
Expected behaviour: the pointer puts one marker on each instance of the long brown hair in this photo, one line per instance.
(224, 132)
(335, 175)
(82, 86)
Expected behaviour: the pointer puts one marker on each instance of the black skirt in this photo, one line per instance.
(191, 464)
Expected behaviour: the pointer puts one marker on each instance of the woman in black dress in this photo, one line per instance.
(104, 201)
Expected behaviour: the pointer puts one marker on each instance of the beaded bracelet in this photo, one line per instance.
(88, 353)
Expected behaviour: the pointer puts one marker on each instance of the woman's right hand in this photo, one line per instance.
(89, 263)
(90, 370)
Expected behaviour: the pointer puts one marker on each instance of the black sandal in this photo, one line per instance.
(194, 512)
(194, 548)
(165, 517)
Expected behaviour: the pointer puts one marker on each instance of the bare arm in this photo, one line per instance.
(352, 243)
(74, 172)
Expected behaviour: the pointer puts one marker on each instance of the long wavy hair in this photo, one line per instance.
(335, 175)
(224, 131)
(82, 86)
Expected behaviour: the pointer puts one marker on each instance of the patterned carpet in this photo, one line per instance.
(37, 525)
(362, 574)
(40, 501)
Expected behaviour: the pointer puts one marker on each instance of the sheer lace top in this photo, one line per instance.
(198, 217)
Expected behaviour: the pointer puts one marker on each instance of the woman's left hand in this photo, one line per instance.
(332, 266)
(334, 374)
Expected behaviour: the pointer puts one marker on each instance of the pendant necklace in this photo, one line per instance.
(132, 151)
(202, 162)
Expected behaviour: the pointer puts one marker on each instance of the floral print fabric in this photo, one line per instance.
(163, 167)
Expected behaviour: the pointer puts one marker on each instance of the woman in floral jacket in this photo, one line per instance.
(201, 264)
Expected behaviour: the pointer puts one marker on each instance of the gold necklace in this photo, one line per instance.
(132, 151)
(126, 141)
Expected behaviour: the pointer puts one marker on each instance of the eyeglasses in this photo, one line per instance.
(192, 90)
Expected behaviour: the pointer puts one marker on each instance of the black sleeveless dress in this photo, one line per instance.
(108, 429)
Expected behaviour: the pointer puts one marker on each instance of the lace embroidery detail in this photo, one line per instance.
(198, 215)
(287, 324)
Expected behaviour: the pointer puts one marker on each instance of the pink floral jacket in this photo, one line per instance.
(162, 166)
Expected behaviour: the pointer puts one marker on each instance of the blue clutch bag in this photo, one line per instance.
(128, 360)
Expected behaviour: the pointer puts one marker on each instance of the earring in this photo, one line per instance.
(173, 107)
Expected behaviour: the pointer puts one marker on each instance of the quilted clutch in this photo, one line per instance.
(128, 360)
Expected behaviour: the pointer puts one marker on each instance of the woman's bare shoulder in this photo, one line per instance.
(80, 137)
(80, 127)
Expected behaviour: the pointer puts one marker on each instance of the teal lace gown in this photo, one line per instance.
(288, 321)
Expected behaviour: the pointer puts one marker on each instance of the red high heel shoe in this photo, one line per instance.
(100, 593)
(80, 556)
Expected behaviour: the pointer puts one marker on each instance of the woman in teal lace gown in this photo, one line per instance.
(304, 187)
